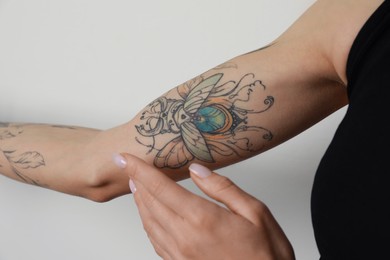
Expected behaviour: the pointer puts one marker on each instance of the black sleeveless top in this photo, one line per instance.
(351, 192)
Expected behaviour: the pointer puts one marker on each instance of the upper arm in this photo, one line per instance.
(231, 112)
(257, 100)
(328, 29)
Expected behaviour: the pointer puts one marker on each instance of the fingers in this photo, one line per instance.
(159, 186)
(171, 214)
(155, 216)
(160, 222)
(222, 189)
(157, 232)
(166, 208)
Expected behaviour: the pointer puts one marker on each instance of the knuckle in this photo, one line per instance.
(259, 208)
(201, 220)
(148, 200)
(186, 248)
(133, 168)
(260, 213)
(157, 187)
(206, 217)
(158, 251)
(222, 184)
(148, 227)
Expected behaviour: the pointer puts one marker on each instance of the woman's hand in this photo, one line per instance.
(182, 225)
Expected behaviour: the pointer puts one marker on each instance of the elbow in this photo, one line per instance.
(103, 188)
(99, 196)
(104, 193)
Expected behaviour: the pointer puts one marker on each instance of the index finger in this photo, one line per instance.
(161, 187)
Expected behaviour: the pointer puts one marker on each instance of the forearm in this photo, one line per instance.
(234, 111)
(42, 154)
(229, 113)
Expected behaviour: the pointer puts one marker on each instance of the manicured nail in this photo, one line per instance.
(200, 170)
(132, 186)
(120, 161)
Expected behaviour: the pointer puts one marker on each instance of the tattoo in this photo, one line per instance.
(9, 132)
(65, 127)
(210, 118)
(19, 161)
(262, 48)
(25, 160)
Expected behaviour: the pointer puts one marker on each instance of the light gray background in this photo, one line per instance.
(96, 63)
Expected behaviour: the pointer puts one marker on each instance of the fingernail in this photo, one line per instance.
(200, 170)
(132, 186)
(120, 161)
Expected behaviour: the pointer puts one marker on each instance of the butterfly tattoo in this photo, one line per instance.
(210, 118)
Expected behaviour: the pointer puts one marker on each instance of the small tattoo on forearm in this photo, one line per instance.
(20, 161)
(9, 132)
(25, 160)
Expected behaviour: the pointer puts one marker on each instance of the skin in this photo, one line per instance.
(182, 225)
(302, 70)
(300, 79)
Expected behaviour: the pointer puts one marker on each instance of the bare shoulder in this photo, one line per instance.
(329, 27)
(348, 17)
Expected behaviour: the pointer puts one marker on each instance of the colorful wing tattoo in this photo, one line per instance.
(208, 119)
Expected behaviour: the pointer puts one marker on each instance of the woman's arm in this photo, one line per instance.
(236, 110)
(45, 155)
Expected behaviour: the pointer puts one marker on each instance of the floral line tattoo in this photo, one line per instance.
(19, 161)
(210, 118)
(9, 132)
(24, 161)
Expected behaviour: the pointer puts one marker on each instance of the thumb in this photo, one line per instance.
(222, 189)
